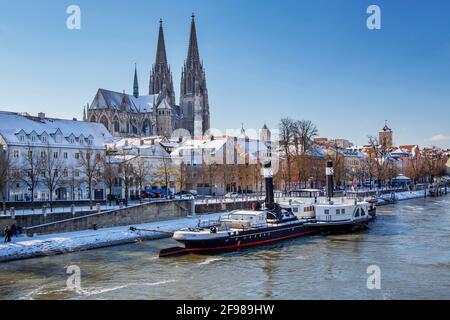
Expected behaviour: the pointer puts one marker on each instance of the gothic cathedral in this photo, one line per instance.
(157, 113)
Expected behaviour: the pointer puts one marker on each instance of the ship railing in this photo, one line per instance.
(208, 224)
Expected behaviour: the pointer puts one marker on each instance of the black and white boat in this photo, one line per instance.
(290, 218)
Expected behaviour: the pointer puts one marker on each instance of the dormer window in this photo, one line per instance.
(58, 136)
(44, 139)
(21, 138)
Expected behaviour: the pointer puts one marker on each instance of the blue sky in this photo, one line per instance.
(264, 59)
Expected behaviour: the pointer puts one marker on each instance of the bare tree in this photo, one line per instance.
(164, 173)
(141, 173)
(30, 171)
(305, 131)
(51, 167)
(109, 174)
(379, 154)
(287, 130)
(6, 174)
(181, 174)
(90, 166)
(73, 181)
(126, 171)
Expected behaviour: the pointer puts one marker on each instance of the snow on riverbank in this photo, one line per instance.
(53, 244)
(25, 247)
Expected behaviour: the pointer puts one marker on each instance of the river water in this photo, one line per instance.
(409, 243)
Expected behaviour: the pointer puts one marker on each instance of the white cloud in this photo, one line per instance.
(440, 138)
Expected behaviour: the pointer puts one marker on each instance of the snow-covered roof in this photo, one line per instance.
(105, 99)
(164, 105)
(19, 129)
(148, 146)
(401, 177)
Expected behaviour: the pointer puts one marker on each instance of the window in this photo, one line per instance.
(66, 172)
(44, 138)
(363, 213)
(327, 211)
(33, 138)
(81, 140)
(42, 154)
(66, 155)
(21, 138)
(72, 141)
(338, 211)
(343, 211)
(30, 154)
(16, 154)
(77, 156)
(55, 155)
(77, 173)
(357, 213)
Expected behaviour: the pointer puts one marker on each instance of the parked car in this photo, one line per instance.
(112, 197)
(186, 195)
(148, 195)
(232, 195)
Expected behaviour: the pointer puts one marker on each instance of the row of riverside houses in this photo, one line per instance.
(376, 164)
(53, 159)
(49, 158)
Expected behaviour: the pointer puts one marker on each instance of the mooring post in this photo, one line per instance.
(192, 205)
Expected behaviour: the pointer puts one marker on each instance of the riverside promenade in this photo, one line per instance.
(47, 245)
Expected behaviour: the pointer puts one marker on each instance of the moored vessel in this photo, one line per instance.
(292, 217)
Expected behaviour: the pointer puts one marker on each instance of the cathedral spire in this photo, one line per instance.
(161, 56)
(161, 78)
(193, 54)
(136, 83)
(194, 92)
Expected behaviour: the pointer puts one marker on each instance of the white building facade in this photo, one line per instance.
(29, 140)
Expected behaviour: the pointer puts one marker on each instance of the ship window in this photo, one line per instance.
(327, 211)
(295, 209)
(338, 211)
(363, 213)
(343, 211)
(357, 213)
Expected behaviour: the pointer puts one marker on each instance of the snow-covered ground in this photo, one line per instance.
(399, 196)
(24, 247)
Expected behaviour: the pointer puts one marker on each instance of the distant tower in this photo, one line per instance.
(194, 92)
(386, 136)
(136, 83)
(265, 134)
(161, 77)
(164, 118)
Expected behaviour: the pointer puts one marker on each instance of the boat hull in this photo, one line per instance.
(260, 237)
